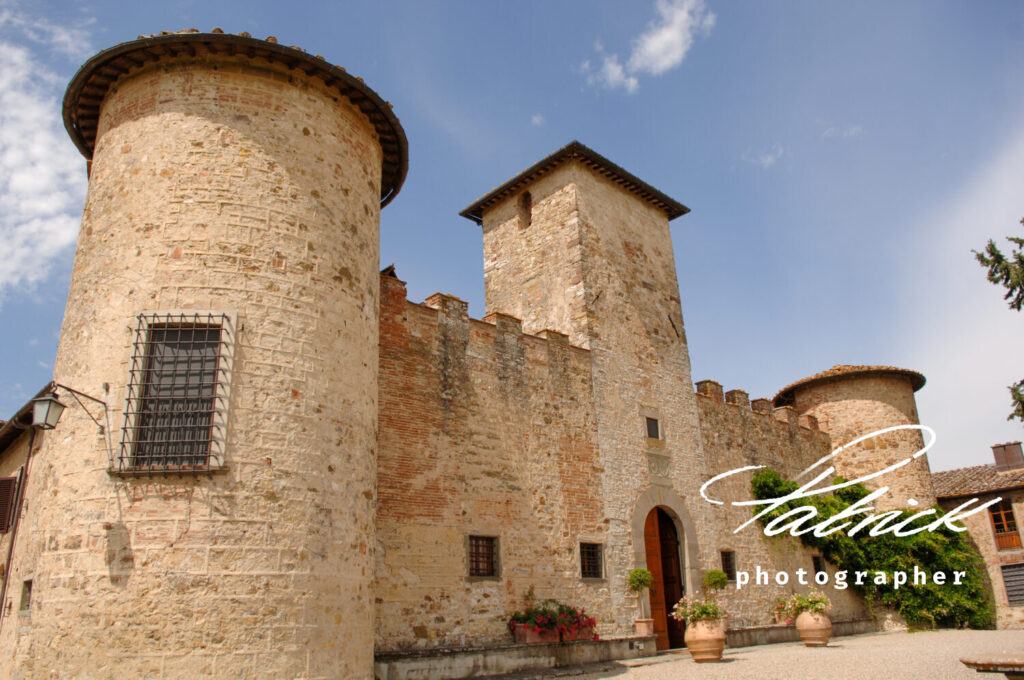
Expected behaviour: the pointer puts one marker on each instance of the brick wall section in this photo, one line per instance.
(851, 406)
(736, 436)
(233, 185)
(982, 533)
(483, 430)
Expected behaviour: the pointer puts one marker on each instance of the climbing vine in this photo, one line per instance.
(968, 604)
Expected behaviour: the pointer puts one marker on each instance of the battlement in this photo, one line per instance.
(470, 353)
(713, 393)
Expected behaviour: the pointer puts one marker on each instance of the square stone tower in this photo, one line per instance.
(578, 245)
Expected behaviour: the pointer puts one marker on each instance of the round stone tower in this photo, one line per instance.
(223, 304)
(852, 401)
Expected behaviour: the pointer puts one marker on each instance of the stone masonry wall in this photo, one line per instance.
(596, 263)
(641, 369)
(236, 185)
(734, 436)
(982, 532)
(484, 430)
(12, 461)
(856, 405)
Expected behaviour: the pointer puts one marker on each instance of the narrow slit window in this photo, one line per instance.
(819, 564)
(525, 210)
(653, 428)
(26, 595)
(591, 562)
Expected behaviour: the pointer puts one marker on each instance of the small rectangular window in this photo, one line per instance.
(8, 488)
(729, 564)
(483, 556)
(175, 415)
(26, 595)
(819, 564)
(653, 428)
(591, 562)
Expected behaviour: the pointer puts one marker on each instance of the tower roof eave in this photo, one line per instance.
(576, 151)
(90, 84)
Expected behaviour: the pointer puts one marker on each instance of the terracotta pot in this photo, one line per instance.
(524, 634)
(814, 629)
(705, 639)
(644, 627)
(578, 634)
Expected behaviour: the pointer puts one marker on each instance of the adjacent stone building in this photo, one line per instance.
(996, 532)
(274, 465)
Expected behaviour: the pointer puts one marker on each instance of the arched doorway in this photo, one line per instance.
(665, 562)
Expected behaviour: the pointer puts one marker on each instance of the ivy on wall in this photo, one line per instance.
(968, 604)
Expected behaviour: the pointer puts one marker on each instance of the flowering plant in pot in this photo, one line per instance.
(638, 581)
(811, 614)
(575, 624)
(551, 621)
(705, 618)
(537, 623)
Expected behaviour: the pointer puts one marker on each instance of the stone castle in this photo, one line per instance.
(274, 465)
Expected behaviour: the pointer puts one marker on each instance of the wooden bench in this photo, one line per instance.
(1012, 665)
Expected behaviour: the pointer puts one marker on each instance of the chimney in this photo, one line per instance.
(1008, 456)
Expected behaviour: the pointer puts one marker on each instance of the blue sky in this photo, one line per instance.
(840, 159)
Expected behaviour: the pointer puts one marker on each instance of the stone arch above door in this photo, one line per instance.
(671, 503)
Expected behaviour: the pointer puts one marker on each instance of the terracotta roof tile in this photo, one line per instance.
(785, 395)
(975, 480)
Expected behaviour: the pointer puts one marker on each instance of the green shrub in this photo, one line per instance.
(968, 605)
(639, 579)
(715, 579)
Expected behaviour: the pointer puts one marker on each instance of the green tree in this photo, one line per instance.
(1008, 272)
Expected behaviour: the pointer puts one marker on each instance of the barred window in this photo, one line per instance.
(177, 393)
(729, 564)
(591, 562)
(483, 556)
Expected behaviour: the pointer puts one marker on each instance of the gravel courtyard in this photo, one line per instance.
(891, 656)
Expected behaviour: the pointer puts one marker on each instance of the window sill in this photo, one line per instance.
(474, 579)
(168, 471)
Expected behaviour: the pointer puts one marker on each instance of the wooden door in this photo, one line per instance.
(672, 576)
(652, 545)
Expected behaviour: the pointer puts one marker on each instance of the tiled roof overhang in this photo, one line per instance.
(786, 394)
(590, 158)
(88, 88)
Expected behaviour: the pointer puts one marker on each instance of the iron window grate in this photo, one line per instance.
(483, 556)
(177, 393)
(590, 560)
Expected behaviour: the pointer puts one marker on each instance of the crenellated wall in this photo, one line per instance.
(484, 430)
(736, 435)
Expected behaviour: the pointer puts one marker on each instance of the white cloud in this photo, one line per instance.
(613, 75)
(42, 176)
(961, 334)
(842, 132)
(70, 41)
(765, 158)
(537, 119)
(660, 48)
